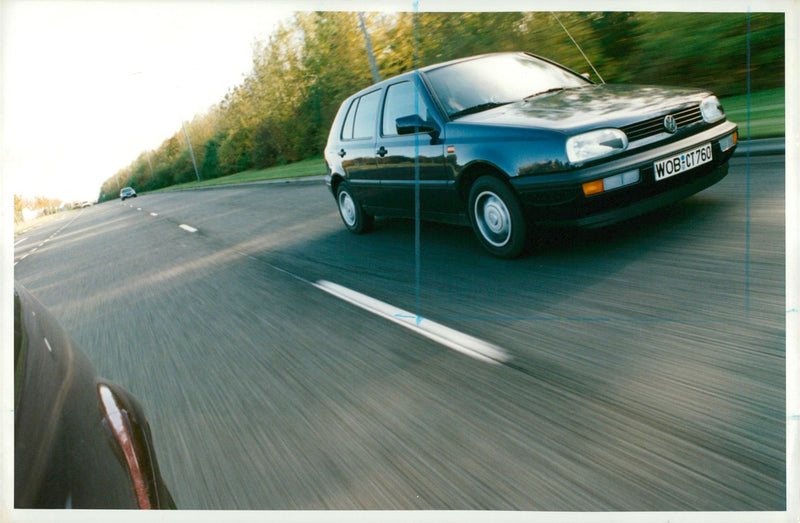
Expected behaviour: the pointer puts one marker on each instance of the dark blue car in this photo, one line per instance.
(505, 142)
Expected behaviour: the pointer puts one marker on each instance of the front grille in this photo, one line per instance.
(653, 126)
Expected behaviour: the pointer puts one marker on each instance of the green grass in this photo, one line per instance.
(310, 167)
(767, 120)
(767, 113)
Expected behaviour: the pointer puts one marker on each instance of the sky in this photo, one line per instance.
(88, 86)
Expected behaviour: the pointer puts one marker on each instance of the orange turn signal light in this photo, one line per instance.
(594, 187)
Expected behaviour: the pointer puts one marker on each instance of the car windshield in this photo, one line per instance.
(480, 84)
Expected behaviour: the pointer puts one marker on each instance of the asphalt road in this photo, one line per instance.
(642, 368)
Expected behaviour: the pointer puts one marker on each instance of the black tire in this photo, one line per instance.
(497, 217)
(355, 219)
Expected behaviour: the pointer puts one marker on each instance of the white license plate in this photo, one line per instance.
(682, 162)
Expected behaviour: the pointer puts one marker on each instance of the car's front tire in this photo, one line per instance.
(353, 215)
(497, 217)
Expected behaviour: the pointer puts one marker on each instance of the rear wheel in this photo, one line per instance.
(497, 217)
(355, 219)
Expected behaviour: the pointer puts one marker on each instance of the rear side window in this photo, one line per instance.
(359, 124)
(347, 129)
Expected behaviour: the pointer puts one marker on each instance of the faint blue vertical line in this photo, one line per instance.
(417, 257)
(747, 187)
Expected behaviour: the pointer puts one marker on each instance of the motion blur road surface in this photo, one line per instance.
(643, 368)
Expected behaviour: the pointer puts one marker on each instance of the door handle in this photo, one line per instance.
(341, 153)
(382, 151)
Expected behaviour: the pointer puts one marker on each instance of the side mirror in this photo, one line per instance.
(414, 124)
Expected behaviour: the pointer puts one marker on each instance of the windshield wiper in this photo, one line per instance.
(478, 108)
(553, 90)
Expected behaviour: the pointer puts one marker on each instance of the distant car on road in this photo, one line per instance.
(85, 204)
(79, 441)
(127, 192)
(508, 140)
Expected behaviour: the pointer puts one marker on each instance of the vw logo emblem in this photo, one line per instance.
(669, 124)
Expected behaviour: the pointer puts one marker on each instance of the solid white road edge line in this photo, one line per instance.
(448, 337)
(187, 227)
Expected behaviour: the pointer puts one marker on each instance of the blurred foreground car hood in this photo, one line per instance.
(584, 108)
(79, 441)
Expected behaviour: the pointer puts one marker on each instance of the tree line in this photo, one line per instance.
(40, 204)
(282, 110)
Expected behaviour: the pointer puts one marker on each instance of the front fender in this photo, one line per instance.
(515, 152)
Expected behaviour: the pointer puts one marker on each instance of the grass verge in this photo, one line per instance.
(767, 113)
(304, 168)
(23, 227)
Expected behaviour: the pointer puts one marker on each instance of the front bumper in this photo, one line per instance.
(559, 200)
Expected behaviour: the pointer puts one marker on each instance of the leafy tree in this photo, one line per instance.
(210, 167)
(710, 50)
(19, 204)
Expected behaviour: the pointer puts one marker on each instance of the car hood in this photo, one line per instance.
(579, 109)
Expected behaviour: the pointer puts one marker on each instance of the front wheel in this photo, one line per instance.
(497, 217)
(355, 219)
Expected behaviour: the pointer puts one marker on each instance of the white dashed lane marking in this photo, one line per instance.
(458, 341)
(183, 226)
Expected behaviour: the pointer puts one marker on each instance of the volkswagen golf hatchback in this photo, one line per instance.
(504, 142)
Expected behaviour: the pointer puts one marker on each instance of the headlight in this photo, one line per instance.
(711, 110)
(595, 144)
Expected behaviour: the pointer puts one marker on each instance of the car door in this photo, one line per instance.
(357, 147)
(398, 154)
